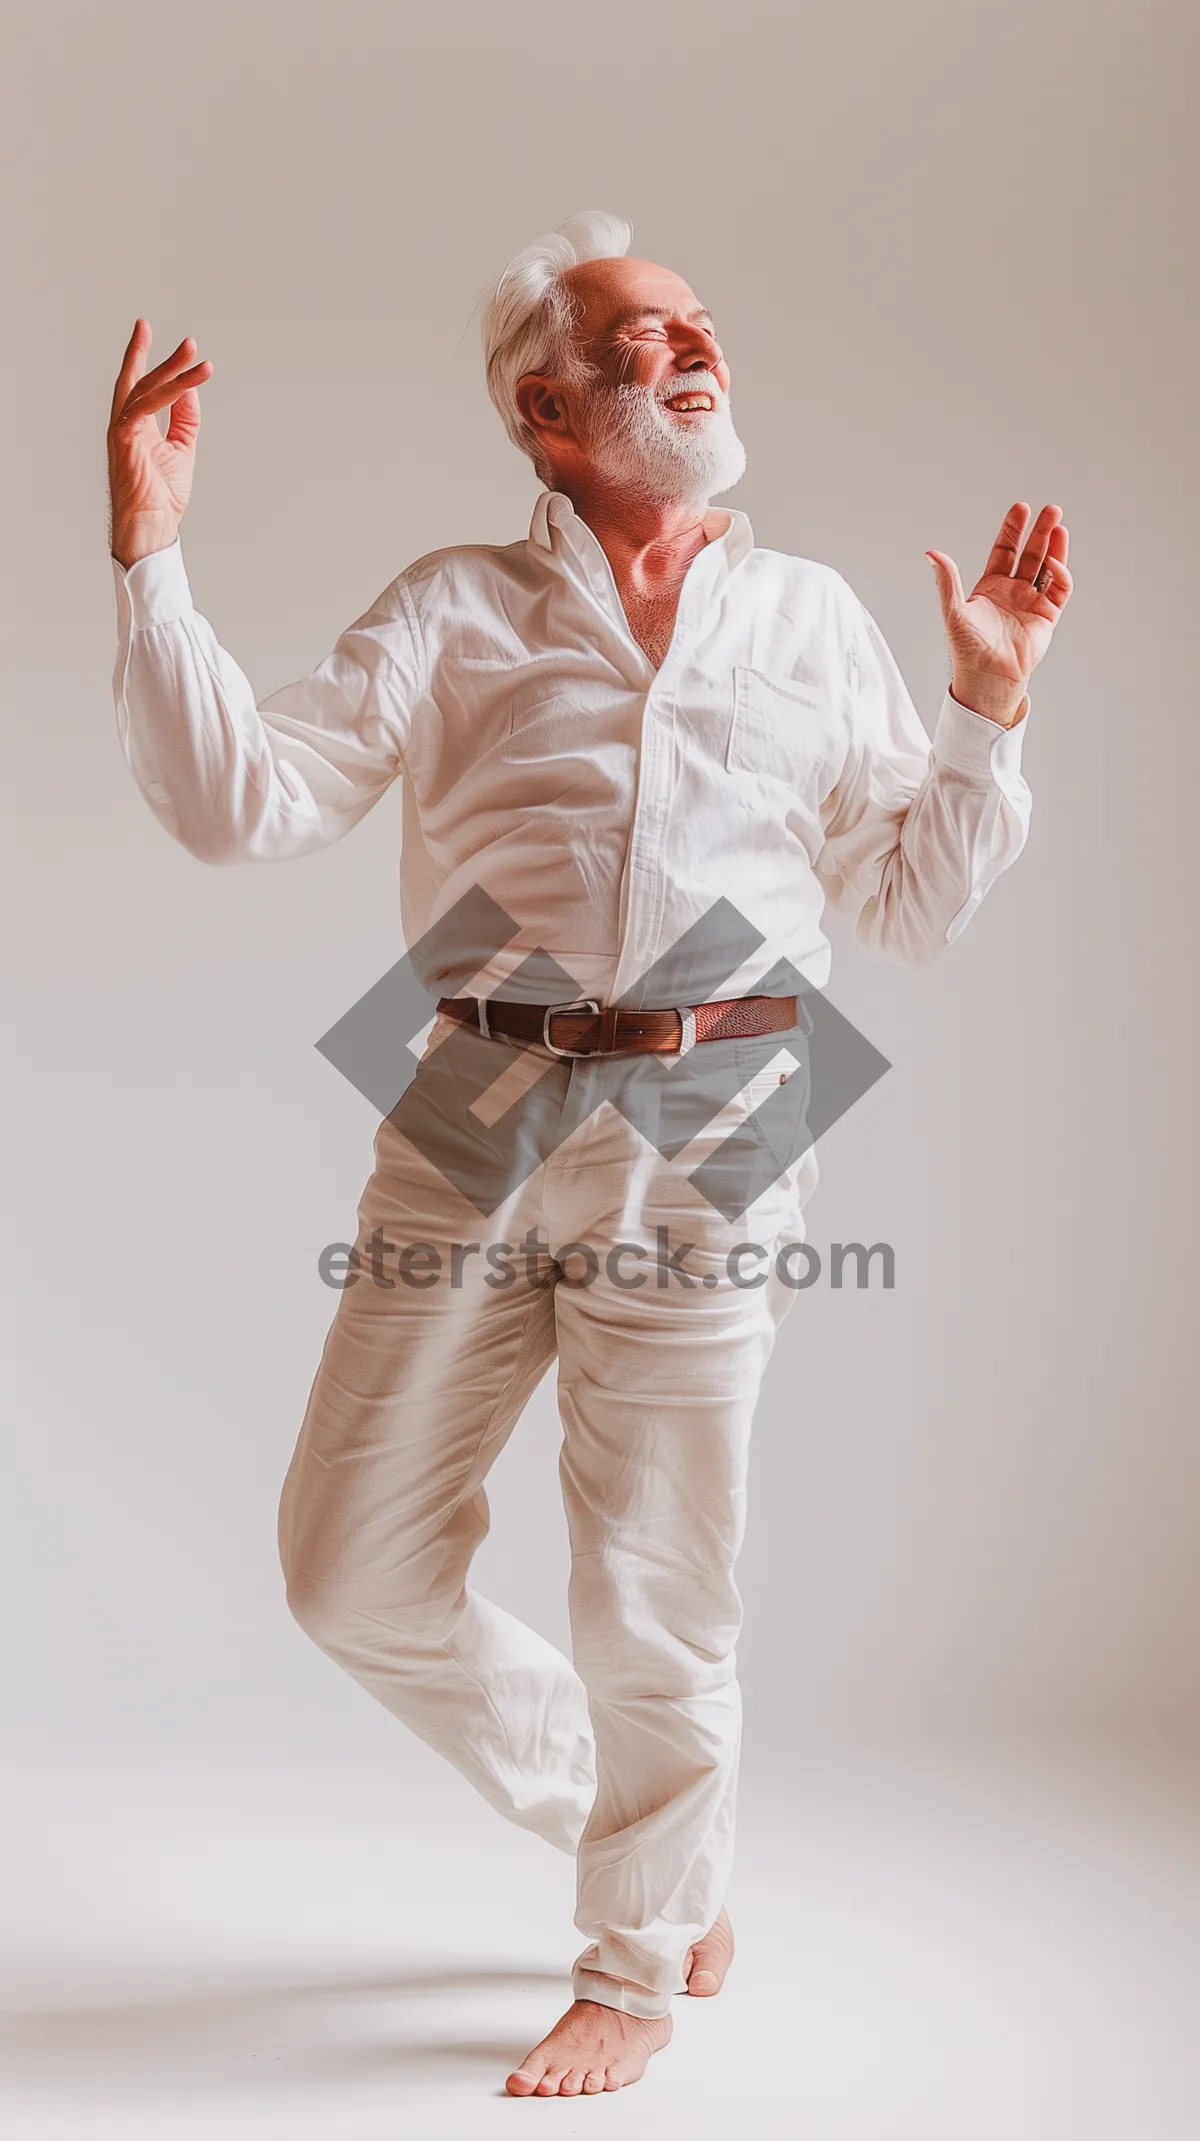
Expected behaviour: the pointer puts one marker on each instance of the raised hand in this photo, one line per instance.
(149, 472)
(999, 633)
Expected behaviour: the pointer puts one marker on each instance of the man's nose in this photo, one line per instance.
(705, 354)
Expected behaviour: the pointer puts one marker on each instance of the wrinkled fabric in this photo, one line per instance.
(627, 1753)
(775, 758)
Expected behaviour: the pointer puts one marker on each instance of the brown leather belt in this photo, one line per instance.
(591, 1029)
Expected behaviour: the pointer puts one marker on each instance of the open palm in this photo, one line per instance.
(150, 472)
(1003, 628)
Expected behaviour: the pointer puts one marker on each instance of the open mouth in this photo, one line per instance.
(691, 405)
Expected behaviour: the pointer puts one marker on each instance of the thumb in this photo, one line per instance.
(185, 419)
(949, 586)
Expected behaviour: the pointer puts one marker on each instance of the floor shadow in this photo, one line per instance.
(255, 2034)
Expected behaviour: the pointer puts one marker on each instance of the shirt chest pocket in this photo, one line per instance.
(779, 732)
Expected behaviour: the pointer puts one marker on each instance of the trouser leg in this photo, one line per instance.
(384, 1505)
(655, 1615)
(657, 1387)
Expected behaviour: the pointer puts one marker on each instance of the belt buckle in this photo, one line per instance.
(687, 1037)
(585, 1003)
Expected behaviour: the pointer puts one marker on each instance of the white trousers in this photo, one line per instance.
(626, 1756)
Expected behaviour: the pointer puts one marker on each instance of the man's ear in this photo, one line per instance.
(541, 404)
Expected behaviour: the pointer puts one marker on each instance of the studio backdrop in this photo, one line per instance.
(947, 258)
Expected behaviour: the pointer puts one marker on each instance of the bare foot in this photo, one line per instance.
(704, 1966)
(592, 2048)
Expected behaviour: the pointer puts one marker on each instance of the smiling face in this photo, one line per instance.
(643, 402)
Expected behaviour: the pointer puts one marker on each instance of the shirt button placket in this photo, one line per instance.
(648, 839)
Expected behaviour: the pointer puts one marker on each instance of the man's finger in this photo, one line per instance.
(1054, 582)
(182, 354)
(949, 585)
(171, 368)
(132, 366)
(185, 419)
(1029, 564)
(147, 398)
(1003, 554)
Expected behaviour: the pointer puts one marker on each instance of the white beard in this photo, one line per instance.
(635, 443)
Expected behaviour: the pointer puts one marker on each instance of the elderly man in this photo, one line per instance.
(603, 727)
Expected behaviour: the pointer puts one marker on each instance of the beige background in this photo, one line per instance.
(949, 257)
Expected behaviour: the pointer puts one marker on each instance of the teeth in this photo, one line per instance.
(692, 401)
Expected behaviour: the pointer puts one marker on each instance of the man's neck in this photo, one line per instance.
(649, 542)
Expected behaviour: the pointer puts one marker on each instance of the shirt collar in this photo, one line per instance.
(559, 529)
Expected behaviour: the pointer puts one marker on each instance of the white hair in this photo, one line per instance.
(528, 315)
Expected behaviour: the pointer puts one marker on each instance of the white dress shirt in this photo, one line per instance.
(775, 758)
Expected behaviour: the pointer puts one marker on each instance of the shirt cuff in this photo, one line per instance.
(972, 745)
(156, 586)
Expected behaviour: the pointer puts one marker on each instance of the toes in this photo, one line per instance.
(623, 2071)
(524, 2079)
(710, 1959)
(542, 2072)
